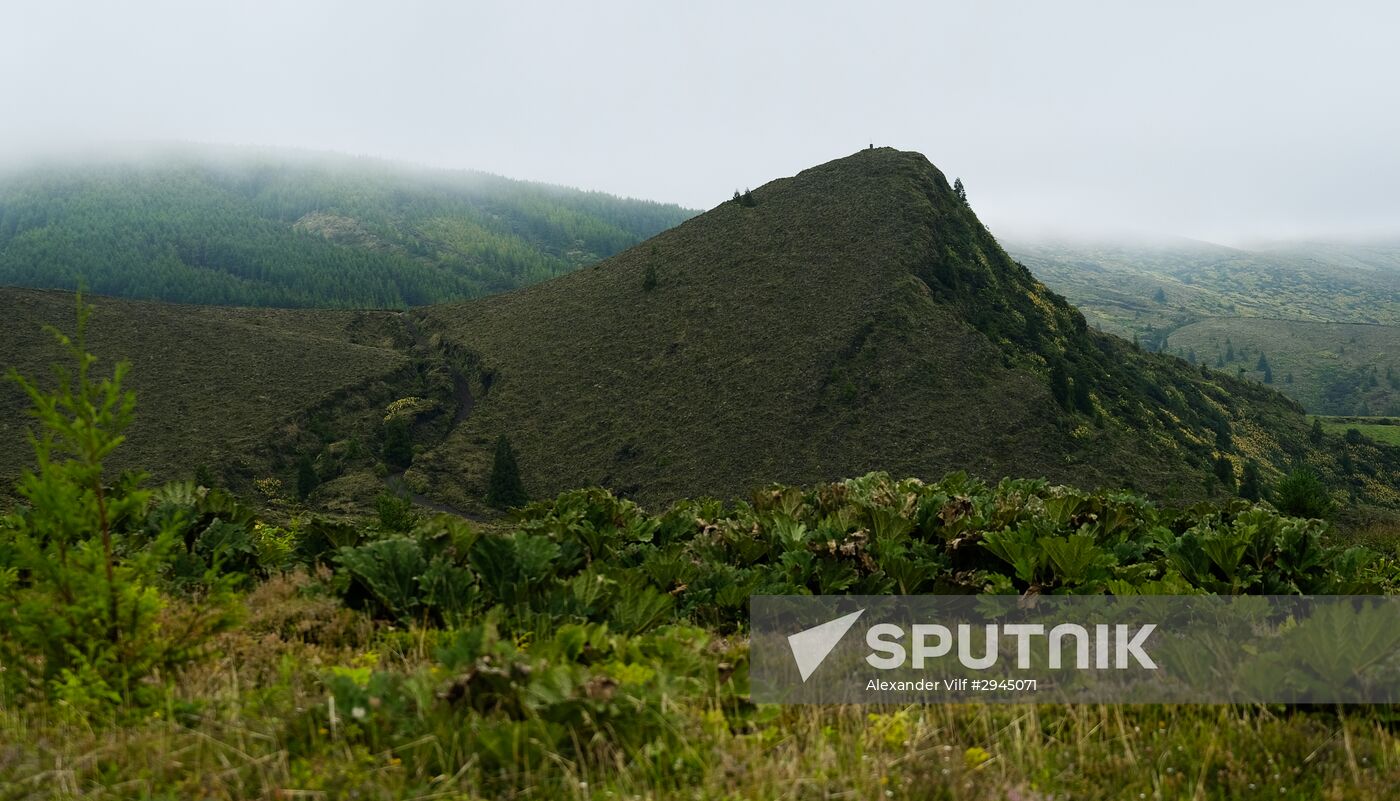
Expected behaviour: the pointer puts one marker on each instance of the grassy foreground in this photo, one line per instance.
(241, 727)
(589, 650)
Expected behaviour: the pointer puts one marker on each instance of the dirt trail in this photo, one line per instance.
(462, 396)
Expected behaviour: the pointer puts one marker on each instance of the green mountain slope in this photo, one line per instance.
(1330, 368)
(855, 316)
(270, 229)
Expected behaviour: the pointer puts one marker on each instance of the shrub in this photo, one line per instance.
(398, 442)
(1302, 494)
(82, 615)
(396, 512)
(589, 557)
(1250, 488)
(1225, 472)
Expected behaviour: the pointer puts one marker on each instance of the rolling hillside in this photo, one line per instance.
(1331, 311)
(851, 318)
(1150, 289)
(1330, 368)
(255, 228)
(214, 385)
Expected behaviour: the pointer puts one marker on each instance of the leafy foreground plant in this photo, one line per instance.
(589, 557)
(82, 615)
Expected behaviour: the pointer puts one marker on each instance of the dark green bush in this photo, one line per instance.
(396, 512)
(1302, 494)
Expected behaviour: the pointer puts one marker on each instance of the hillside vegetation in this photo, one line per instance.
(216, 385)
(854, 316)
(1329, 310)
(1330, 368)
(272, 229)
(1147, 290)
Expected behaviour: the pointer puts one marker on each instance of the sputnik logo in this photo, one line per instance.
(811, 647)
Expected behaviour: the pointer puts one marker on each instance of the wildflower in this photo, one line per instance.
(976, 756)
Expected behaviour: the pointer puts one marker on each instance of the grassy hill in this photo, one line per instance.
(256, 228)
(214, 385)
(855, 316)
(1331, 368)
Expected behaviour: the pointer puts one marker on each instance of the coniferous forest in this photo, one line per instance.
(268, 229)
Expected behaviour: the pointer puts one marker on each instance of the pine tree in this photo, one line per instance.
(505, 489)
(1225, 472)
(960, 190)
(1059, 386)
(1250, 488)
(1302, 494)
(1224, 438)
(1082, 399)
(307, 480)
(1160, 295)
(81, 568)
(1315, 434)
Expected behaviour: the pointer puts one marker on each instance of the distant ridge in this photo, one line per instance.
(256, 227)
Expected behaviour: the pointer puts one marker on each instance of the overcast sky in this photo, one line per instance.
(1219, 120)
